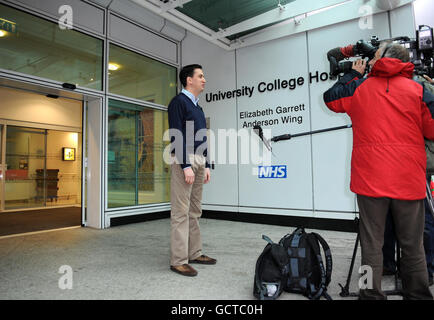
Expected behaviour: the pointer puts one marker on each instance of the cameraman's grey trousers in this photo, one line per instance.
(408, 217)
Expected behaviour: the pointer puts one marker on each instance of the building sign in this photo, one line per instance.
(272, 172)
(8, 26)
(277, 84)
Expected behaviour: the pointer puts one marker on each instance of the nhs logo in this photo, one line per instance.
(272, 172)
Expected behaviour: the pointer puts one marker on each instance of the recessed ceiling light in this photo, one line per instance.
(113, 66)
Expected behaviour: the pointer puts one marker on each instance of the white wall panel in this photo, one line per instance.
(283, 59)
(402, 22)
(219, 70)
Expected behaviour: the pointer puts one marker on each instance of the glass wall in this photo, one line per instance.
(64, 155)
(140, 77)
(37, 172)
(25, 185)
(34, 46)
(137, 173)
(2, 170)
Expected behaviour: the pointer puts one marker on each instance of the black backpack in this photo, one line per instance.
(293, 265)
(269, 272)
(306, 273)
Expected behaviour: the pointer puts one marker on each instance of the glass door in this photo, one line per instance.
(84, 166)
(2, 167)
(25, 167)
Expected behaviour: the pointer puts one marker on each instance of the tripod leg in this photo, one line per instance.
(398, 267)
(345, 289)
(429, 199)
(397, 290)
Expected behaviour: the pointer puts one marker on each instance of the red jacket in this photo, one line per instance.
(390, 120)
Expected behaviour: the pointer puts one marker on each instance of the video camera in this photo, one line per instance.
(421, 52)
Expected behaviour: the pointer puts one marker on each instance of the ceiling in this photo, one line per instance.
(233, 24)
(222, 14)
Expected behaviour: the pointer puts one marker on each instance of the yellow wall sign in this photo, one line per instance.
(8, 26)
(69, 154)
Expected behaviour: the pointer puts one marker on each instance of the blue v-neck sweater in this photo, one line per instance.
(182, 111)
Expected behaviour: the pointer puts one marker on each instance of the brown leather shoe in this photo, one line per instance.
(203, 259)
(184, 270)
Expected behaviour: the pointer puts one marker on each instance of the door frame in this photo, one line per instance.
(96, 101)
(2, 167)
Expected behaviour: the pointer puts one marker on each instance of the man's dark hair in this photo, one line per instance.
(188, 71)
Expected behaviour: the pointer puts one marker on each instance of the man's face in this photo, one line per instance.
(197, 82)
(376, 57)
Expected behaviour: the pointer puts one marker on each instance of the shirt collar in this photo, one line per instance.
(191, 96)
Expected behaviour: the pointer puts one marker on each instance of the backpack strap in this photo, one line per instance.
(296, 237)
(296, 253)
(325, 278)
(328, 256)
(260, 288)
(316, 293)
(282, 241)
(267, 239)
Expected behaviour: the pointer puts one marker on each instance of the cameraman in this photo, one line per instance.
(428, 243)
(390, 120)
(389, 263)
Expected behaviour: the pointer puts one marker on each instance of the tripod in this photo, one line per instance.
(429, 199)
(345, 290)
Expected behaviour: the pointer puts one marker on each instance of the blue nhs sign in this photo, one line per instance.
(272, 172)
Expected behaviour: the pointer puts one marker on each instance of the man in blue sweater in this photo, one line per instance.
(190, 170)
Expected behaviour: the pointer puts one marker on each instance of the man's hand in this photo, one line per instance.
(360, 66)
(429, 79)
(189, 175)
(207, 175)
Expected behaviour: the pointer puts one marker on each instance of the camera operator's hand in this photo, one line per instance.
(360, 66)
(429, 79)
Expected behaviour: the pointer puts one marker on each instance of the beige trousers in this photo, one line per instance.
(185, 239)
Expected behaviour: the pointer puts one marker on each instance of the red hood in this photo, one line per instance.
(390, 67)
